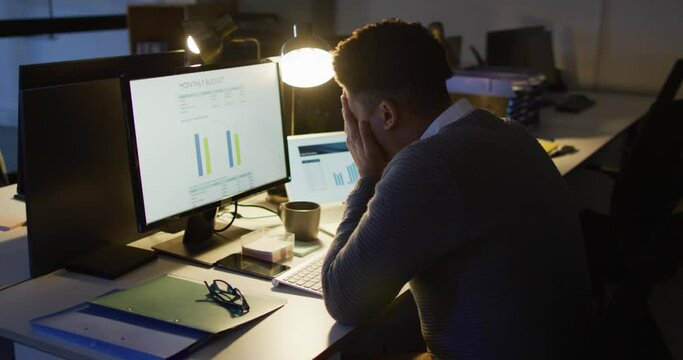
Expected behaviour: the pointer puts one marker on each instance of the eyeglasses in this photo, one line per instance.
(228, 297)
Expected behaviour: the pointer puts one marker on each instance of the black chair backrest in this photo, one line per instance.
(672, 83)
(645, 192)
(651, 178)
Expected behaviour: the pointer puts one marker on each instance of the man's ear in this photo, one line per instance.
(389, 112)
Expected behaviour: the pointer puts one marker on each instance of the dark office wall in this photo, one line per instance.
(321, 13)
(15, 51)
(470, 18)
(624, 45)
(640, 41)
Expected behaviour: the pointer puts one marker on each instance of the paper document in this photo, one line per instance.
(129, 338)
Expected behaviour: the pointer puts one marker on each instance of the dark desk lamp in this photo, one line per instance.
(451, 45)
(206, 38)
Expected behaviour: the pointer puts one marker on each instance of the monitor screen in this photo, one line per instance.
(322, 167)
(206, 136)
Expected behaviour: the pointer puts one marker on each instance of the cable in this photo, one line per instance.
(240, 216)
(255, 217)
(261, 207)
(234, 216)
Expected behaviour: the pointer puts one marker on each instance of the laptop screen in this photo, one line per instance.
(322, 168)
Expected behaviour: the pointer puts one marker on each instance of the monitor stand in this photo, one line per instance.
(277, 195)
(199, 244)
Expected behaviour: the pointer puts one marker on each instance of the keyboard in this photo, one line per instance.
(304, 276)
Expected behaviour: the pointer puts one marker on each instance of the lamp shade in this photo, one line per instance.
(206, 38)
(305, 61)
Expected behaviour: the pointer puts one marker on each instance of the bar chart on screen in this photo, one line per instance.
(351, 176)
(322, 167)
(219, 167)
(238, 156)
(202, 149)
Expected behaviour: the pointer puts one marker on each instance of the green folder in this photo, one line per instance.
(183, 302)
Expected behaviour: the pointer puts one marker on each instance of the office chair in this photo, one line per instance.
(638, 242)
(672, 83)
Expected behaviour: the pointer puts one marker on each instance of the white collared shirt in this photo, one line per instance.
(456, 111)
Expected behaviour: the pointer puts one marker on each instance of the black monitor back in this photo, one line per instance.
(529, 47)
(35, 76)
(78, 185)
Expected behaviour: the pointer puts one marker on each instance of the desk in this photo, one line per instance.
(302, 329)
(591, 129)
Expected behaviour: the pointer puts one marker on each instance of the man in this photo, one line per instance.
(465, 207)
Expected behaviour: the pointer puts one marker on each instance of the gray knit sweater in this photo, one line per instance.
(477, 220)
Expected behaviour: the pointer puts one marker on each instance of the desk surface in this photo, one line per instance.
(11, 207)
(591, 129)
(302, 328)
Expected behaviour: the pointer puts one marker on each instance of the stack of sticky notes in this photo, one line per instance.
(548, 145)
(271, 246)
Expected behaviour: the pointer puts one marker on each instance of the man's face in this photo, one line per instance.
(372, 114)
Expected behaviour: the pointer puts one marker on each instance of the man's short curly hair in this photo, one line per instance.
(392, 57)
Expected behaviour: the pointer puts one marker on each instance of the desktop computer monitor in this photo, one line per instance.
(200, 139)
(527, 47)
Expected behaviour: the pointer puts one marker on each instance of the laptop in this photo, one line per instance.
(322, 168)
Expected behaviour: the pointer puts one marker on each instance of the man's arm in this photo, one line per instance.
(410, 220)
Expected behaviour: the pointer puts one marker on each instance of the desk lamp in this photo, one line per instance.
(206, 39)
(305, 62)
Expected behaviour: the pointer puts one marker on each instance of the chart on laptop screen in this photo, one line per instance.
(322, 167)
(208, 135)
